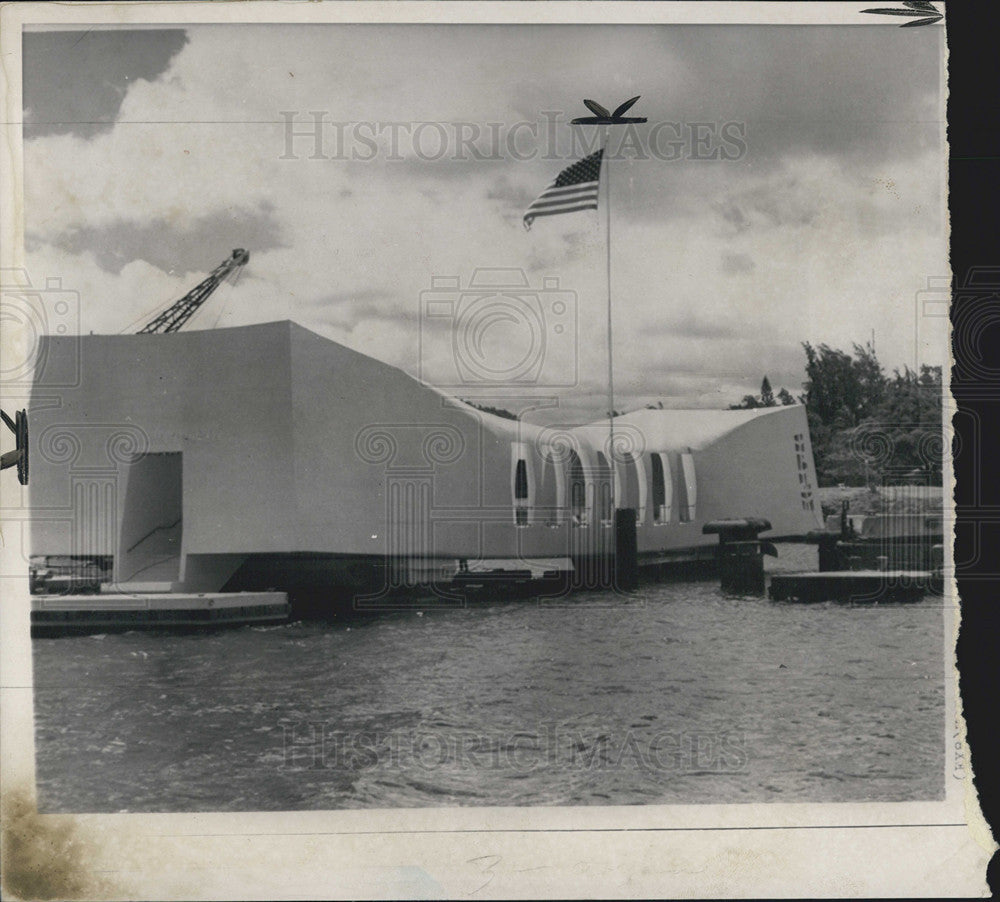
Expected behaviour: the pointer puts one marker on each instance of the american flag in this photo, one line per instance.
(575, 188)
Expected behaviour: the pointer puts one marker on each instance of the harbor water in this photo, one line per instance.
(675, 694)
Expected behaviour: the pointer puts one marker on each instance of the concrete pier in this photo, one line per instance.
(57, 615)
(856, 586)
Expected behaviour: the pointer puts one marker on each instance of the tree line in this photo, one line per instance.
(867, 427)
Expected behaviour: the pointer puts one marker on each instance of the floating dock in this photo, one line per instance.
(856, 586)
(60, 615)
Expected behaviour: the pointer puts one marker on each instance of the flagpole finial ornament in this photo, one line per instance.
(603, 117)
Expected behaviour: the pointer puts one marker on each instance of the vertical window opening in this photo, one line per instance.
(604, 477)
(689, 483)
(521, 492)
(577, 490)
(660, 514)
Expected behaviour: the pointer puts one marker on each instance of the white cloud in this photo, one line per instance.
(830, 243)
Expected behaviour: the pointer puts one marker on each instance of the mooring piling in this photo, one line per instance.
(741, 553)
(626, 550)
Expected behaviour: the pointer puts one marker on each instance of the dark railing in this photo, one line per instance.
(152, 532)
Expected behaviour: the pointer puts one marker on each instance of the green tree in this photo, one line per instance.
(869, 428)
(841, 392)
(749, 402)
(786, 398)
(766, 398)
(766, 394)
(911, 419)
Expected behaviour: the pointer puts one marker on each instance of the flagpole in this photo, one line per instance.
(611, 369)
(605, 119)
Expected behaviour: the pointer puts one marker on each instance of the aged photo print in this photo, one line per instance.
(464, 452)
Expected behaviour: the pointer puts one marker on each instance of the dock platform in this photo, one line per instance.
(856, 586)
(60, 615)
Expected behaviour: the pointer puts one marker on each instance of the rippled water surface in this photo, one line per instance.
(676, 695)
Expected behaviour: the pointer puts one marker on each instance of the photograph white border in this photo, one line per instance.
(902, 849)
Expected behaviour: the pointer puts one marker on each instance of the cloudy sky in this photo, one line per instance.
(151, 154)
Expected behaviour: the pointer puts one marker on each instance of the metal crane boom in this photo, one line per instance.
(181, 311)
